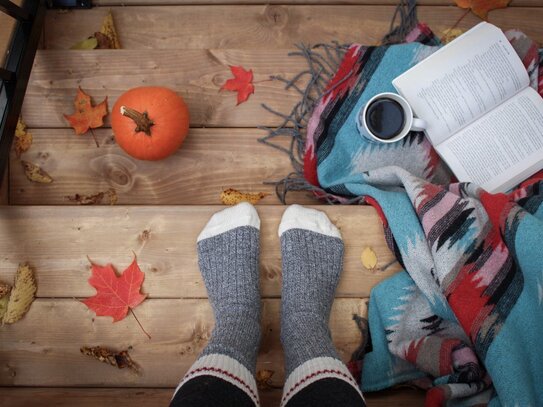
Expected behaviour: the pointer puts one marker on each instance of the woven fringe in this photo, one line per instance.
(407, 11)
(323, 61)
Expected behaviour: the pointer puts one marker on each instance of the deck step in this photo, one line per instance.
(43, 348)
(57, 240)
(267, 26)
(209, 161)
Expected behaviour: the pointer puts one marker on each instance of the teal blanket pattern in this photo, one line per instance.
(465, 318)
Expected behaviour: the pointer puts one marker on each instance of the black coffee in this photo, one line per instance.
(385, 118)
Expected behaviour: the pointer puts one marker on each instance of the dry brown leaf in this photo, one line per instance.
(95, 199)
(23, 138)
(450, 34)
(120, 359)
(482, 7)
(106, 38)
(86, 199)
(232, 196)
(22, 295)
(34, 173)
(103, 41)
(369, 259)
(5, 290)
(108, 30)
(112, 194)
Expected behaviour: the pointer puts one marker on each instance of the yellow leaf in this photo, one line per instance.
(263, 379)
(23, 138)
(450, 34)
(22, 294)
(35, 174)
(108, 29)
(5, 289)
(89, 43)
(232, 196)
(369, 259)
(106, 38)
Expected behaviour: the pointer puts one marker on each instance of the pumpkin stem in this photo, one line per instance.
(142, 120)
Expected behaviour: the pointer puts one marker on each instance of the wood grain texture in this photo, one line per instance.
(43, 348)
(534, 3)
(149, 397)
(7, 24)
(209, 161)
(57, 240)
(196, 74)
(258, 26)
(4, 188)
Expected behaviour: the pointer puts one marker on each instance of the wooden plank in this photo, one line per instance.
(85, 397)
(268, 26)
(196, 74)
(209, 161)
(7, 25)
(43, 348)
(57, 240)
(533, 3)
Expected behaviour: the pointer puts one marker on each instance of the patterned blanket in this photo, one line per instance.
(465, 318)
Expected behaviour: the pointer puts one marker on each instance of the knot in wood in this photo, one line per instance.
(276, 16)
(119, 176)
(219, 79)
(116, 169)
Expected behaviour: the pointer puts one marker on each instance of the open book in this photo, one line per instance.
(482, 116)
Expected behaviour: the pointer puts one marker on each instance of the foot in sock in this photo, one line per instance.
(228, 250)
(312, 255)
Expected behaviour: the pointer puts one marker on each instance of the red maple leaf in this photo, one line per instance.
(116, 295)
(242, 83)
(86, 115)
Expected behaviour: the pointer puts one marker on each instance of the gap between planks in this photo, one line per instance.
(57, 240)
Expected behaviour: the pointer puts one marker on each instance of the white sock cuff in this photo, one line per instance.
(299, 217)
(313, 370)
(242, 214)
(225, 368)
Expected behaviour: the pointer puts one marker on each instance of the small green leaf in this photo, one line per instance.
(89, 43)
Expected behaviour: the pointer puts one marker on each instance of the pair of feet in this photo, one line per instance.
(312, 255)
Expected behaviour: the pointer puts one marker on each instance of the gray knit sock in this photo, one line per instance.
(228, 250)
(312, 252)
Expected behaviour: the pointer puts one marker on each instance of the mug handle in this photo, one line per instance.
(418, 124)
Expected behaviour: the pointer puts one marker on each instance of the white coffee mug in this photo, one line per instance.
(411, 123)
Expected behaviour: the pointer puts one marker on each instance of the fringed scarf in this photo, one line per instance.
(465, 318)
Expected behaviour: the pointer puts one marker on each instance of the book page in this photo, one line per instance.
(463, 80)
(503, 147)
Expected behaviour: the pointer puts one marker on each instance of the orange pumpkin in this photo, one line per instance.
(150, 122)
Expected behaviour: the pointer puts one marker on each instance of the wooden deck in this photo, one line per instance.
(187, 48)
